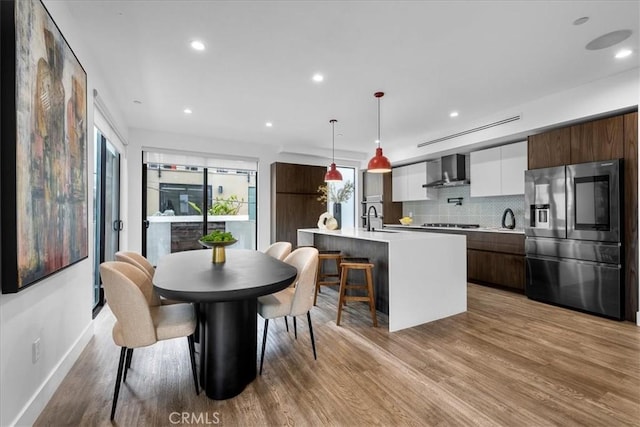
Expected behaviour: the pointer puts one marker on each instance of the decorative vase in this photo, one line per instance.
(337, 213)
(218, 253)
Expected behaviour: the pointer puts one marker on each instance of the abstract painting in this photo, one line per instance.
(44, 140)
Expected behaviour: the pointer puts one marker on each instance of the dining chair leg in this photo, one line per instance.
(264, 342)
(123, 353)
(295, 328)
(313, 341)
(192, 356)
(127, 364)
(286, 323)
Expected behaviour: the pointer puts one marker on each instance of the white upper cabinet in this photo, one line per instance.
(514, 163)
(499, 171)
(407, 183)
(398, 183)
(485, 172)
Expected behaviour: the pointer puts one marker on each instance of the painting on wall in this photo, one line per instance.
(44, 155)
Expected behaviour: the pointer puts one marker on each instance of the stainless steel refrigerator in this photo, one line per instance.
(573, 228)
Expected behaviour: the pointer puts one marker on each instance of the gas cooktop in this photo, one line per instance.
(450, 225)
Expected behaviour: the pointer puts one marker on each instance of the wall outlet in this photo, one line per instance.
(35, 350)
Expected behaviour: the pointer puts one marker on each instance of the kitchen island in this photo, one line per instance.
(419, 277)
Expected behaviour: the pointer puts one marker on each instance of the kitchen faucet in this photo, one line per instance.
(375, 212)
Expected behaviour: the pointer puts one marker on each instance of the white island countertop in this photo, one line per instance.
(423, 274)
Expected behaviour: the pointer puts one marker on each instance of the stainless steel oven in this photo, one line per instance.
(573, 228)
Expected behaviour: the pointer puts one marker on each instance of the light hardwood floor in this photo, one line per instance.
(506, 361)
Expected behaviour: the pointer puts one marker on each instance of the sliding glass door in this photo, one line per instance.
(182, 202)
(107, 222)
(174, 203)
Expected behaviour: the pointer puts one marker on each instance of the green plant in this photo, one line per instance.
(218, 236)
(229, 206)
(195, 207)
(329, 193)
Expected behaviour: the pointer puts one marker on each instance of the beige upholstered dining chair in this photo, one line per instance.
(134, 258)
(295, 300)
(139, 261)
(140, 319)
(279, 250)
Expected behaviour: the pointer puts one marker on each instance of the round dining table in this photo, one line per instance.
(227, 295)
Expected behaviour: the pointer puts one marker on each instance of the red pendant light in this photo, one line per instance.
(379, 163)
(333, 175)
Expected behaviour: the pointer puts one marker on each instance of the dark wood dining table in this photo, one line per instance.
(227, 294)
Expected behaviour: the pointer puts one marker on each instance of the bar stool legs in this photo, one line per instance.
(362, 264)
(327, 279)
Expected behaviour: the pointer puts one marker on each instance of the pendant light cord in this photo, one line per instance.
(378, 95)
(378, 121)
(333, 139)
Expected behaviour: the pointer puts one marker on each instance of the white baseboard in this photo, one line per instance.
(33, 408)
(638, 318)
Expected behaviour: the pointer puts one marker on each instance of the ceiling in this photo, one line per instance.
(430, 58)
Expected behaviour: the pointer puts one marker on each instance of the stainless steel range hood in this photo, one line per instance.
(453, 172)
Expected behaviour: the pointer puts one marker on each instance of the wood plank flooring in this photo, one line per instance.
(507, 361)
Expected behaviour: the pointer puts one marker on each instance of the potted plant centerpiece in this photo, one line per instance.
(337, 195)
(217, 240)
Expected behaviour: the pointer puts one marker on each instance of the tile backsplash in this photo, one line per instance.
(485, 211)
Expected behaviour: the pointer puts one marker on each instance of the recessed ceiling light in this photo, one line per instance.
(377, 141)
(623, 53)
(187, 111)
(317, 78)
(268, 124)
(453, 114)
(581, 21)
(197, 45)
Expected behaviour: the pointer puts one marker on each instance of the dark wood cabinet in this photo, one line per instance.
(585, 142)
(597, 140)
(495, 259)
(549, 149)
(631, 214)
(496, 268)
(294, 199)
(297, 179)
(392, 210)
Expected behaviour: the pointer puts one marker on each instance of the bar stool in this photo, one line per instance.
(357, 264)
(327, 279)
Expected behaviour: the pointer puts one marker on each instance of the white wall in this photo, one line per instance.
(58, 309)
(615, 93)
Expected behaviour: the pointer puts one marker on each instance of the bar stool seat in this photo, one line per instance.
(327, 279)
(362, 264)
